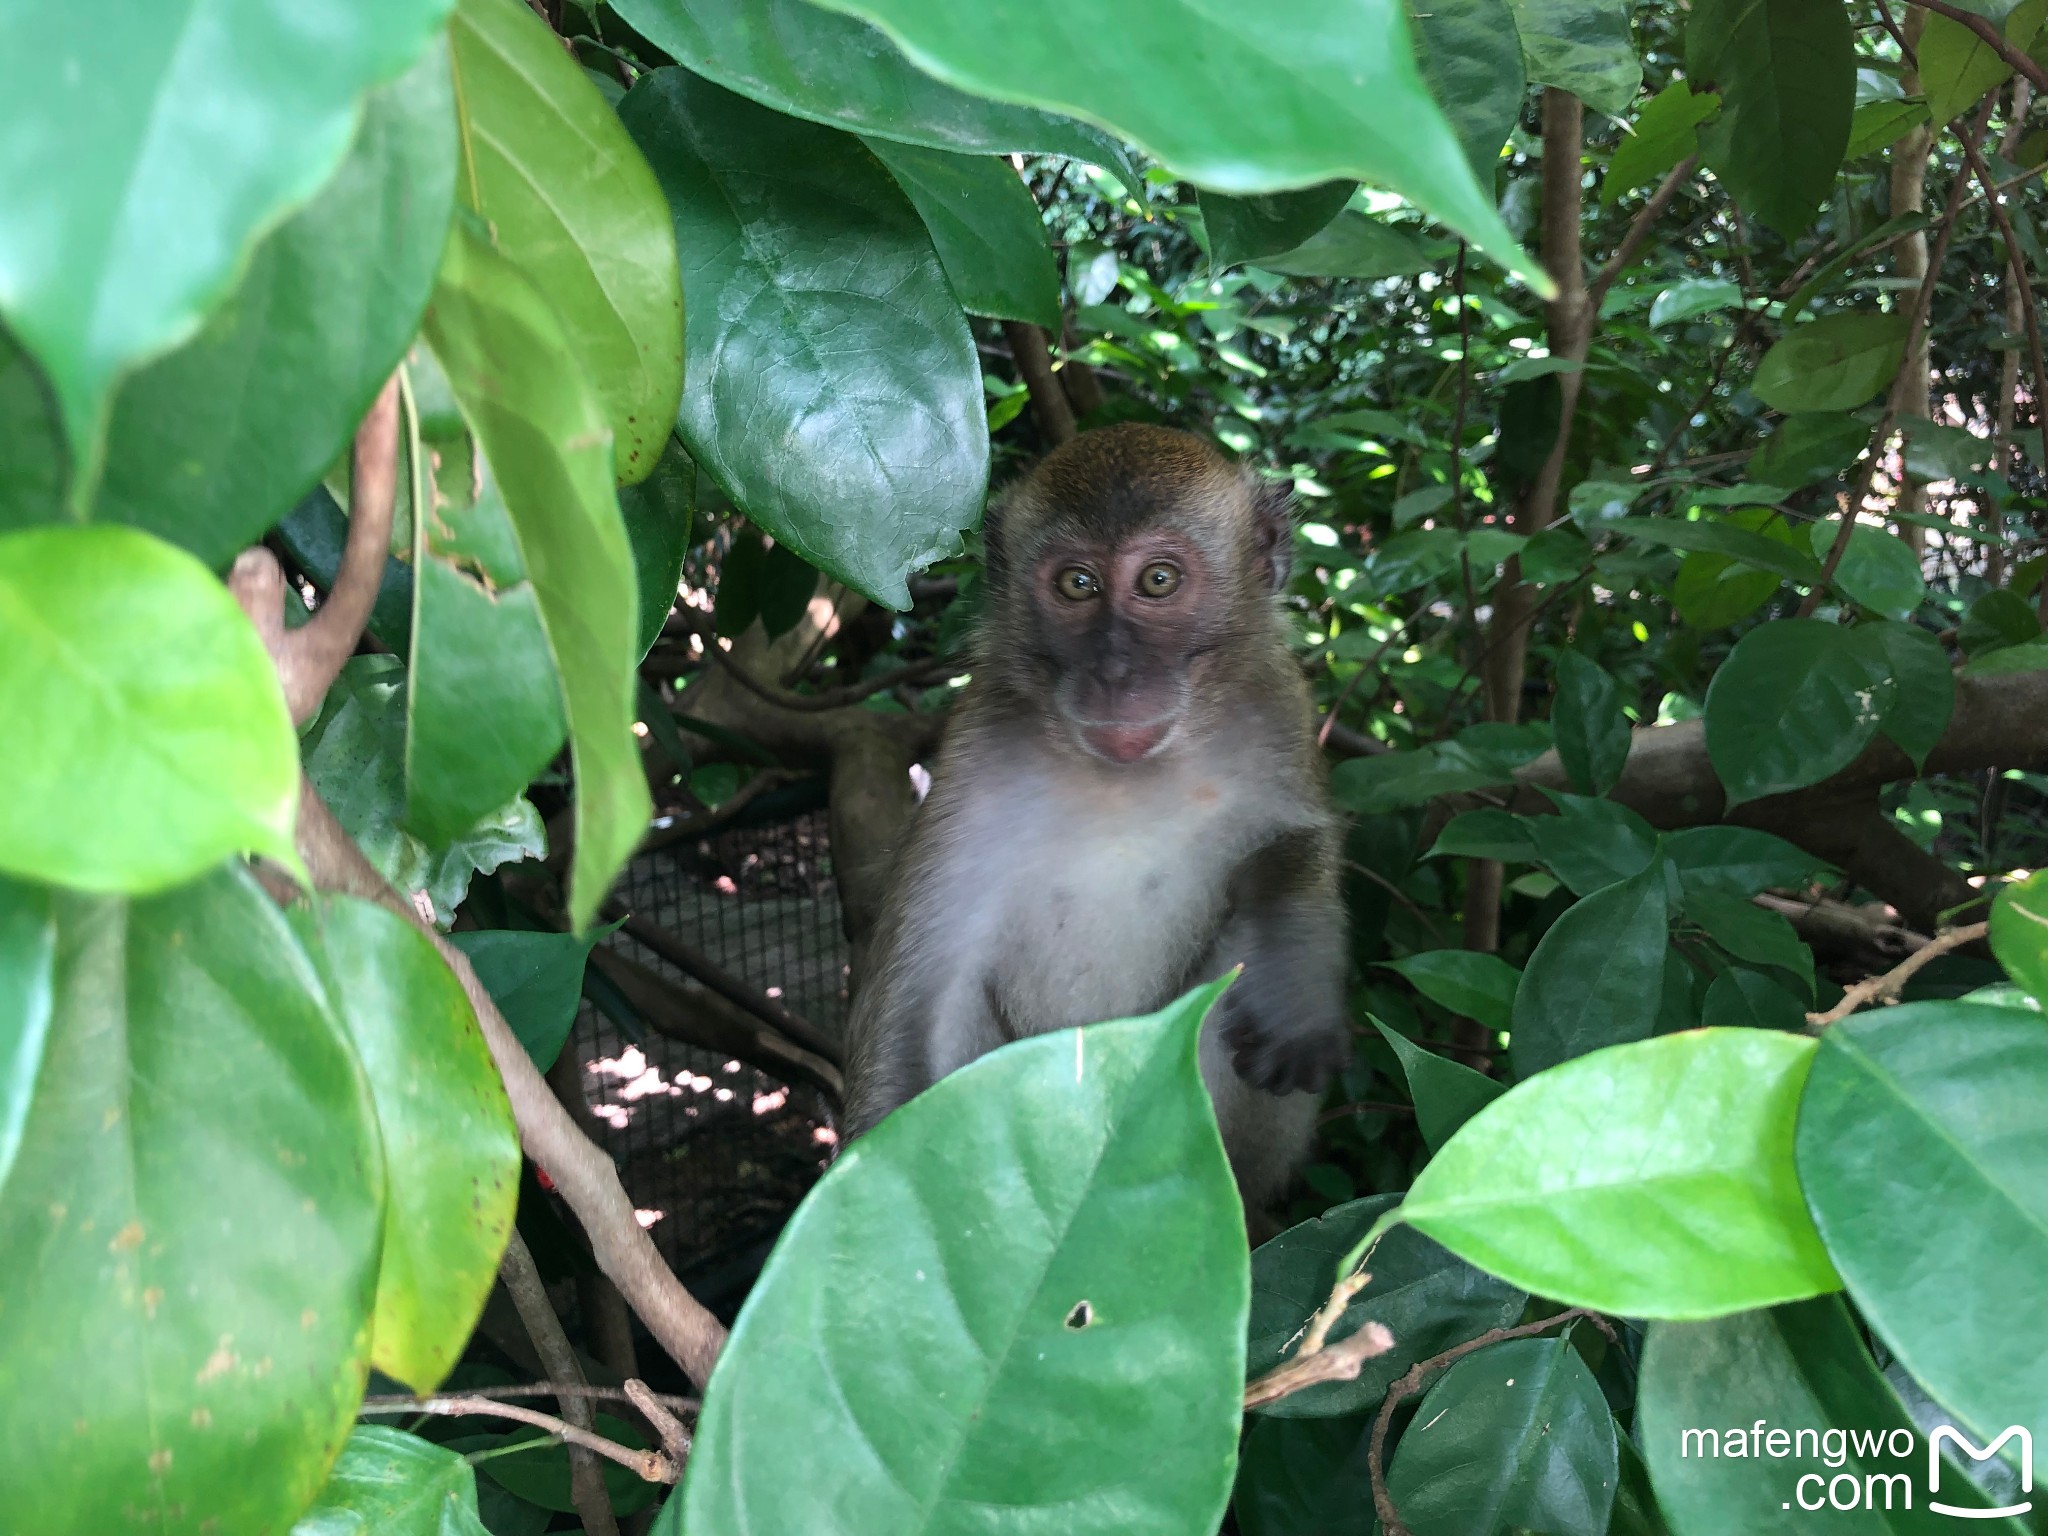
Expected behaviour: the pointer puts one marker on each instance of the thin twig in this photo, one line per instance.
(1886, 988)
(2023, 284)
(529, 1293)
(1317, 1360)
(675, 1439)
(654, 1466)
(1994, 38)
(1411, 1383)
(1638, 231)
(399, 1402)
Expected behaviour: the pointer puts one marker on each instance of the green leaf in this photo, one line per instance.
(570, 201)
(28, 957)
(450, 1147)
(117, 245)
(2007, 659)
(1957, 66)
(1999, 618)
(1581, 46)
(1446, 1093)
(36, 465)
(834, 70)
(1650, 1180)
(189, 1237)
(882, 448)
(1786, 71)
(1722, 537)
(1835, 363)
(546, 439)
(986, 227)
(354, 753)
(1750, 932)
(660, 513)
(1485, 834)
(1427, 1298)
(1590, 844)
(1370, 786)
(212, 444)
(1812, 446)
(1740, 999)
(161, 740)
(1479, 986)
(1718, 1409)
(2019, 933)
(1878, 569)
(761, 581)
(1470, 56)
(1592, 731)
(1664, 133)
(1514, 1437)
(1242, 229)
(1595, 977)
(1923, 686)
(1692, 297)
(1739, 860)
(540, 1476)
(1879, 124)
(1714, 590)
(1373, 121)
(1921, 1133)
(1305, 1477)
(947, 1366)
(1357, 245)
(536, 979)
(394, 1484)
(1794, 703)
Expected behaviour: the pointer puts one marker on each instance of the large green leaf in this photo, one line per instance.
(1016, 1305)
(28, 957)
(389, 1483)
(1305, 1477)
(1357, 245)
(1581, 46)
(1742, 999)
(1921, 1134)
(1728, 537)
(1835, 363)
(1589, 844)
(1923, 686)
(1746, 1422)
(1957, 66)
(835, 70)
(1714, 589)
(1427, 1298)
(1334, 94)
(1244, 229)
(1515, 1437)
(660, 514)
(569, 199)
(1811, 446)
(1591, 728)
(189, 1238)
(212, 444)
(1739, 860)
(1786, 74)
(1996, 620)
(1595, 977)
(1470, 56)
(149, 738)
(1878, 569)
(1664, 132)
(547, 441)
(37, 463)
(1650, 1180)
(2019, 933)
(1479, 986)
(835, 336)
(1751, 933)
(450, 1147)
(536, 979)
(1794, 703)
(986, 227)
(210, 119)
(1446, 1093)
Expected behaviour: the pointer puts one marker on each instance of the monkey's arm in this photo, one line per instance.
(1283, 1020)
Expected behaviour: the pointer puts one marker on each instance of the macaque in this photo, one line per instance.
(1129, 801)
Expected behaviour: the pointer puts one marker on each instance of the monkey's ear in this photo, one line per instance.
(1273, 528)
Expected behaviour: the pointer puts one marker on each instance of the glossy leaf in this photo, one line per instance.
(1514, 1437)
(2019, 933)
(1739, 860)
(1720, 537)
(547, 442)
(1957, 66)
(1812, 446)
(212, 444)
(1589, 844)
(1305, 1477)
(1995, 620)
(1794, 703)
(1244, 229)
(1446, 1093)
(1485, 834)
(569, 199)
(1786, 74)
(1877, 569)
(536, 979)
(1746, 1421)
(1478, 986)
(199, 1195)
(541, 1476)
(450, 1147)
(127, 224)
(1713, 590)
(986, 227)
(1592, 731)
(840, 71)
(161, 740)
(1427, 1298)
(1470, 55)
(28, 940)
(1691, 297)
(1750, 932)
(1357, 245)
(1921, 1134)
(1650, 1180)
(1663, 133)
(882, 451)
(1332, 95)
(1741, 999)
(1835, 363)
(1595, 976)
(36, 466)
(390, 1483)
(1923, 687)
(1581, 46)
(1877, 125)
(660, 515)
(946, 1366)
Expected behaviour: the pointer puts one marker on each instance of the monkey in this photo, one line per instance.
(1129, 799)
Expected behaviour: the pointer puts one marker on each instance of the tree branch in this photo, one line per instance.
(654, 1466)
(1886, 988)
(2022, 285)
(1994, 38)
(1050, 407)
(1317, 1360)
(558, 1358)
(1639, 231)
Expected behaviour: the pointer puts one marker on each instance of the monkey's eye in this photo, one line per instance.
(1158, 579)
(1078, 584)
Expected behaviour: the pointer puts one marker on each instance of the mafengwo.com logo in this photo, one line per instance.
(1872, 1470)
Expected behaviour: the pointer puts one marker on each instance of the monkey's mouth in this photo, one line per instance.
(1127, 743)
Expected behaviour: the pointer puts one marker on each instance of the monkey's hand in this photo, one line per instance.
(1280, 1040)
